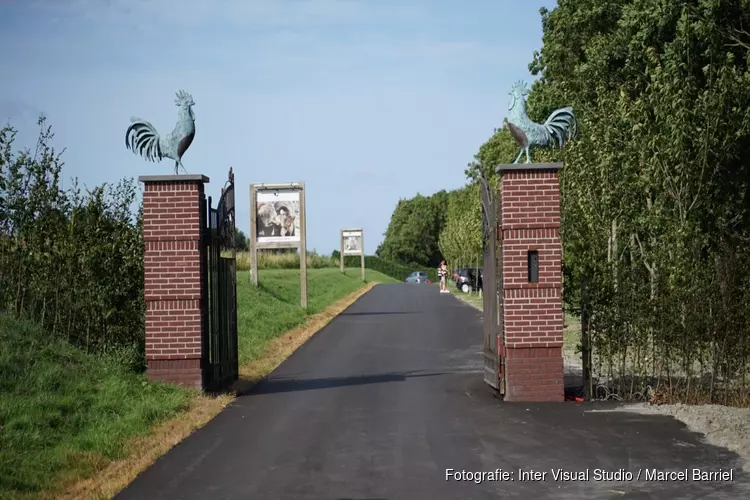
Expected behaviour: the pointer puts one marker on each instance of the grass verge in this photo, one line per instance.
(571, 330)
(64, 413)
(77, 426)
(273, 307)
(271, 327)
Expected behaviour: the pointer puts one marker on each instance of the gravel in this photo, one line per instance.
(723, 426)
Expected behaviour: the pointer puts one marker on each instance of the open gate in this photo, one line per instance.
(218, 252)
(493, 290)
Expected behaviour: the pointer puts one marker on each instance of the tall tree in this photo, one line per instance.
(413, 232)
(242, 244)
(461, 238)
(653, 189)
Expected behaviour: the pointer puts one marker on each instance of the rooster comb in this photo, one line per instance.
(519, 86)
(182, 97)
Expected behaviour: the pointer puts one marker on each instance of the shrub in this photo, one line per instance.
(287, 260)
(72, 261)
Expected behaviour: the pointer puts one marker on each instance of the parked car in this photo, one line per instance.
(457, 272)
(417, 277)
(467, 281)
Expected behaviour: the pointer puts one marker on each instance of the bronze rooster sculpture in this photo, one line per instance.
(143, 139)
(557, 130)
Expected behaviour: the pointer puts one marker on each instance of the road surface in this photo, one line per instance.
(390, 395)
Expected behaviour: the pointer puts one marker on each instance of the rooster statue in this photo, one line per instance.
(557, 130)
(143, 139)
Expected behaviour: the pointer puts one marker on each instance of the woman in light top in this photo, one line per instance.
(443, 275)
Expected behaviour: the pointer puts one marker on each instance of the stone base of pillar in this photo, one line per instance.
(183, 372)
(534, 374)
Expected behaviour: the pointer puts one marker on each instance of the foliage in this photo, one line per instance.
(316, 261)
(241, 242)
(498, 149)
(287, 260)
(414, 229)
(392, 269)
(64, 412)
(60, 249)
(461, 238)
(655, 211)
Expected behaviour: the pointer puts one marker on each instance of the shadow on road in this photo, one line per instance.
(277, 385)
(376, 313)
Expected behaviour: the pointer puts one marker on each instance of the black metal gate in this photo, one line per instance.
(493, 290)
(220, 353)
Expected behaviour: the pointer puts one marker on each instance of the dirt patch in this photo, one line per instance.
(144, 451)
(723, 426)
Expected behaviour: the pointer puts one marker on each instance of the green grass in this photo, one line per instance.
(571, 331)
(284, 261)
(572, 335)
(63, 411)
(272, 308)
(472, 298)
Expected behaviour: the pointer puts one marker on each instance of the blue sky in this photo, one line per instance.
(366, 101)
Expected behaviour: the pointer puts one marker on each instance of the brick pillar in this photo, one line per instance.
(533, 312)
(172, 207)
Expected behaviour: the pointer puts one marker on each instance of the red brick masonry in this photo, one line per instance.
(533, 317)
(173, 277)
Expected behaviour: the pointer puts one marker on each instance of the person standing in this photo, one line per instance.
(443, 275)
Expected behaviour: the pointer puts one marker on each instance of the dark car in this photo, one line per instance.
(454, 274)
(466, 280)
(417, 277)
(457, 272)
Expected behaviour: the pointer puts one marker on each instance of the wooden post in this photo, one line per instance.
(253, 237)
(341, 255)
(303, 247)
(362, 255)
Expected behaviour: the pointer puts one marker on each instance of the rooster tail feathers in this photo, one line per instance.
(561, 125)
(143, 139)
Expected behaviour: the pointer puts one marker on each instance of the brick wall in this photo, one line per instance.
(173, 277)
(534, 374)
(533, 318)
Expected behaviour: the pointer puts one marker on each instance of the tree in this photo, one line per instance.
(655, 212)
(71, 261)
(498, 149)
(241, 243)
(461, 238)
(413, 232)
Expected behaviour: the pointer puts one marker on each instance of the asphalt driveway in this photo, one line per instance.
(389, 396)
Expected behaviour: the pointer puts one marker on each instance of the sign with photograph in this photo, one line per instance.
(352, 242)
(277, 220)
(277, 216)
